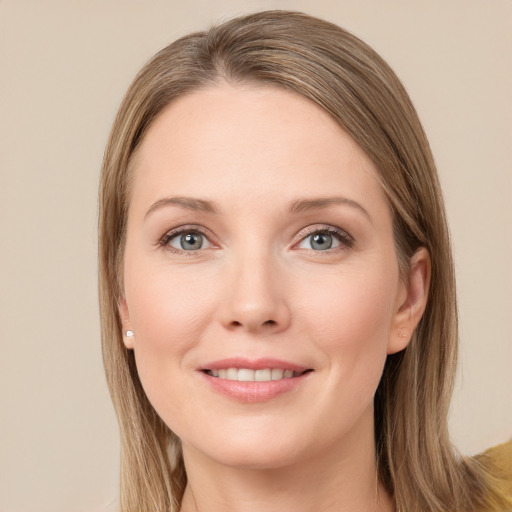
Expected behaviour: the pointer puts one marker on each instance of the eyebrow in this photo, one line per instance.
(297, 206)
(324, 202)
(189, 203)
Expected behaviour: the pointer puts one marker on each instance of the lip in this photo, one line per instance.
(253, 364)
(254, 392)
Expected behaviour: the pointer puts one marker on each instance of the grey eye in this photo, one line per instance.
(191, 241)
(320, 241)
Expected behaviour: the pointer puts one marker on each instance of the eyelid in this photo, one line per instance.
(180, 230)
(346, 239)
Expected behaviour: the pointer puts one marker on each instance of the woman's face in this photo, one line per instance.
(259, 247)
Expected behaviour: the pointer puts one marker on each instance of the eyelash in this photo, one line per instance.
(183, 230)
(346, 241)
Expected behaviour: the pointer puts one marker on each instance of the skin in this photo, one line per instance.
(259, 288)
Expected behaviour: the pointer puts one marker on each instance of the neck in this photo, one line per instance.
(339, 479)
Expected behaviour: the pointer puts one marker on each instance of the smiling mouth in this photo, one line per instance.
(248, 375)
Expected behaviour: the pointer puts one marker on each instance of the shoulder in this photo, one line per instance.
(498, 458)
(497, 462)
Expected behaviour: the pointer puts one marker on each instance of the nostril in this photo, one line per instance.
(236, 323)
(253, 324)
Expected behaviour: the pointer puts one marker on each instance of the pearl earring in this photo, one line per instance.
(129, 334)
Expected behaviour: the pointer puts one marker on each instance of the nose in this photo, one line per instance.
(255, 297)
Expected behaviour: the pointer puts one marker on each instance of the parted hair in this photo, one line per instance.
(344, 76)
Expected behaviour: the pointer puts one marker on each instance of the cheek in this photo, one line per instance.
(352, 318)
(168, 313)
(167, 308)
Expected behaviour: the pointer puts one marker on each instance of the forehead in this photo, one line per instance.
(252, 140)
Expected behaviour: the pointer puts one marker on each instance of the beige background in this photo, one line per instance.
(63, 69)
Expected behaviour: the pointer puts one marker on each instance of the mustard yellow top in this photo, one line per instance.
(499, 461)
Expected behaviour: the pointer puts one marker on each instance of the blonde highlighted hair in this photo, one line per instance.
(345, 77)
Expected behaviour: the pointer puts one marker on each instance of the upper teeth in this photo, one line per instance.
(246, 375)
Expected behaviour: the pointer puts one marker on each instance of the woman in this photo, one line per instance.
(277, 291)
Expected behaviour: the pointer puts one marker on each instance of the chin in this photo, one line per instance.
(249, 451)
(256, 457)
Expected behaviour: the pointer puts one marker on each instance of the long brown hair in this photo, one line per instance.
(345, 77)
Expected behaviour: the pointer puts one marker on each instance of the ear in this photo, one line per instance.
(124, 314)
(411, 303)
